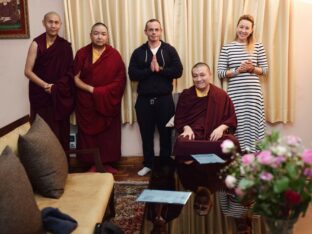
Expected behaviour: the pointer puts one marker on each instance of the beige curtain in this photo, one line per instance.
(198, 29)
(203, 26)
(125, 20)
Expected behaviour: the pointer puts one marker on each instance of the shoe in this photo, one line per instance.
(92, 169)
(144, 171)
(108, 168)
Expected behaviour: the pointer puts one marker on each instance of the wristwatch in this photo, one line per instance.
(234, 71)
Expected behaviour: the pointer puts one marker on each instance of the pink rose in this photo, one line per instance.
(230, 181)
(265, 157)
(227, 146)
(278, 161)
(307, 156)
(239, 192)
(279, 150)
(267, 176)
(293, 140)
(247, 159)
(308, 172)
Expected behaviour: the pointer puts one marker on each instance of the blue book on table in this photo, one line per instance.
(164, 196)
(207, 158)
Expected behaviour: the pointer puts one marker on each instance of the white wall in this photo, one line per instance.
(13, 85)
(131, 144)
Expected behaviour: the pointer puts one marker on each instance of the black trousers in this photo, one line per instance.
(154, 112)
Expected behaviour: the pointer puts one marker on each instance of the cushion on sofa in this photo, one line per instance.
(85, 199)
(10, 139)
(44, 159)
(18, 210)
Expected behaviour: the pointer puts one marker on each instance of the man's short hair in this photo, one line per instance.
(150, 21)
(200, 64)
(97, 24)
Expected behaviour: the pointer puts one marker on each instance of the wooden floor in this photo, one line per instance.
(128, 168)
(304, 225)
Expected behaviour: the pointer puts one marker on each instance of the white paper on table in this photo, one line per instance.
(164, 196)
(207, 158)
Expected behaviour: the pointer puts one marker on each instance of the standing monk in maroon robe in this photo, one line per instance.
(204, 118)
(100, 77)
(49, 67)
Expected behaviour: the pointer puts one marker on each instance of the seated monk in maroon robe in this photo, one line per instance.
(204, 118)
(100, 77)
(49, 67)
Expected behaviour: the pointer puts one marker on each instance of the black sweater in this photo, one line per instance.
(155, 83)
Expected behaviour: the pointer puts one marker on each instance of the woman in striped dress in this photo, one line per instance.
(242, 61)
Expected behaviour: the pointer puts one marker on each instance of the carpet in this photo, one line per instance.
(129, 213)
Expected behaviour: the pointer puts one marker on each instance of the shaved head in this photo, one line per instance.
(201, 64)
(51, 13)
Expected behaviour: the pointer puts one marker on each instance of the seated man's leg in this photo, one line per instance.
(205, 174)
(195, 176)
(184, 148)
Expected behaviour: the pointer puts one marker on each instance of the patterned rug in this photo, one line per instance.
(129, 213)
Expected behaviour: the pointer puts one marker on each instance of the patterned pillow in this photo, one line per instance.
(44, 159)
(19, 212)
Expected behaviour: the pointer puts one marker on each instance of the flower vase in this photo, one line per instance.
(279, 226)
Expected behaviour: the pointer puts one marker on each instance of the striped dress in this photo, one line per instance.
(245, 91)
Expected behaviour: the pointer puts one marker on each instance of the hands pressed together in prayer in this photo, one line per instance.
(154, 64)
(246, 66)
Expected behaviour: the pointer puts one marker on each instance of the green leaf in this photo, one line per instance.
(245, 183)
(291, 169)
(281, 185)
(274, 137)
(309, 188)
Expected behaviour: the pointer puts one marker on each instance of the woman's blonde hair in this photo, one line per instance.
(251, 39)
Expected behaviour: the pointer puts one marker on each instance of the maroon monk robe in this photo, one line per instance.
(54, 65)
(203, 115)
(99, 114)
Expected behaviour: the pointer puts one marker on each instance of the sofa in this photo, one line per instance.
(86, 197)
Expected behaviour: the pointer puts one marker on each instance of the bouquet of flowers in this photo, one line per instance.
(278, 178)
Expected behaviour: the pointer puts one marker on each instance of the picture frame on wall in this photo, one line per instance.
(14, 19)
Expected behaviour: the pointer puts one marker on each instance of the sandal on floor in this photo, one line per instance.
(203, 201)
